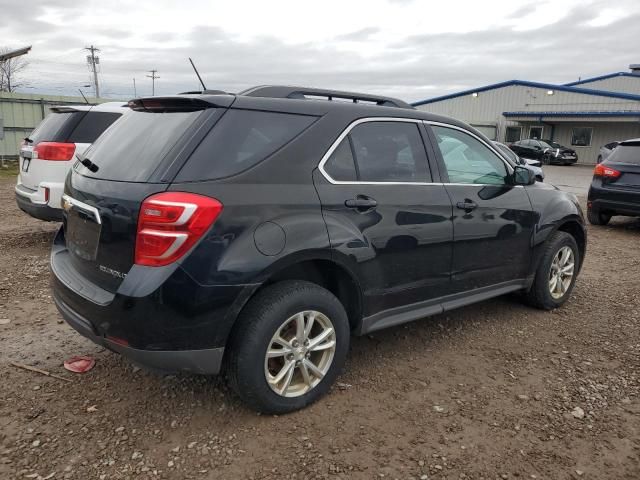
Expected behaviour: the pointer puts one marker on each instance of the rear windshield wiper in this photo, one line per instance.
(88, 163)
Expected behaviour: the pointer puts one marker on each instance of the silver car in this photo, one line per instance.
(606, 150)
(534, 165)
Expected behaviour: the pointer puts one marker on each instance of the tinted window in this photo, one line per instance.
(389, 152)
(240, 140)
(340, 165)
(581, 136)
(512, 134)
(135, 146)
(91, 126)
(626, 153)
(467, 160)
(55, 127)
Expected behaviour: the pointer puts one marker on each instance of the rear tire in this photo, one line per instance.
(257, 355)
(560, 258)
(597, 218)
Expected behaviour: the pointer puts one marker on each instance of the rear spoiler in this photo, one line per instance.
(180, 103)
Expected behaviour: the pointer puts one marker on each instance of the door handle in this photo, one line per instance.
(467, 205)
(361, 203)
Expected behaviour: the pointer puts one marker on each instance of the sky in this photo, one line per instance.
(411, 49)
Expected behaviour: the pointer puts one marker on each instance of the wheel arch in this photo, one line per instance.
(315, 267)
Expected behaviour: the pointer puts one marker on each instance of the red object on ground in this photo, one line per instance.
(79, 364)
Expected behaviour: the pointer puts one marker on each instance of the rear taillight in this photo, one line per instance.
(606, 172)
(55, 151)
(170, 223)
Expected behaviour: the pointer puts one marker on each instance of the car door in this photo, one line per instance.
(493, 220)
(385, 217)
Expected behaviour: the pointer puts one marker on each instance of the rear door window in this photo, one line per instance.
(91, 126)
(136, 145)
(389, 152)
(340, 165)
(240, 140)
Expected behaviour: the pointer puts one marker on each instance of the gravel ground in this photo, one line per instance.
(497, 390)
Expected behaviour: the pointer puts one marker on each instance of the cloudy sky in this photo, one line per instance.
(413, 49)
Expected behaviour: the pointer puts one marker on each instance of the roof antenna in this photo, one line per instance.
(199, 77)
(85, 98)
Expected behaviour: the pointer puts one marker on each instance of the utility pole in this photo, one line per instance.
(153, 77)
(135, 93)
(94, 60)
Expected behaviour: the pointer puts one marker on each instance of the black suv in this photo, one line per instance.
(547, 151)
(615, 189)
(257, 232)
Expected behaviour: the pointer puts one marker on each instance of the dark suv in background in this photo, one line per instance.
(257, 232)
(615, 189)
(547, 151)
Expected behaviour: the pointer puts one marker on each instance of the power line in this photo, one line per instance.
(153, 77)
(93, 60)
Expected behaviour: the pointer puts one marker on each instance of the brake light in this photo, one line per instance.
(55, 151)
(170, 223)
(607, 172)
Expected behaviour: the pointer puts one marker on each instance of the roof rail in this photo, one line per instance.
(281, 91)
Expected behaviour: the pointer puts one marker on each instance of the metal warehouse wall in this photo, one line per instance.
(624, 84)
(488, 106)
(602, 133)
(21, 113)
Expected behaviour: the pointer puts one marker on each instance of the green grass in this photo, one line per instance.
(10, 171)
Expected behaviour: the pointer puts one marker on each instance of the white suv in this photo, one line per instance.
(49, 152)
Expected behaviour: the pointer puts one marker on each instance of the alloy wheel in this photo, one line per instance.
(561, 272)
(300, 353)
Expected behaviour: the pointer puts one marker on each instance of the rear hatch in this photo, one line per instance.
(66, 132)
(131, 161)
(625, 161)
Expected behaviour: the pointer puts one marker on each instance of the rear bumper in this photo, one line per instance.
(614, 201)
(28, 201)
(201, 361)
(176, 325)
(616, 208)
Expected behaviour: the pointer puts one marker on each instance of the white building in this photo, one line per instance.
(583, 115)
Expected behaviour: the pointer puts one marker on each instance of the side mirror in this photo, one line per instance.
(523, 175)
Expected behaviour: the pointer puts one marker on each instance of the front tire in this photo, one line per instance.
(288, 346)
(597, 218)
(556, 274)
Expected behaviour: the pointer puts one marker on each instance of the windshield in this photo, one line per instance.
(511, 156)
(133, 147)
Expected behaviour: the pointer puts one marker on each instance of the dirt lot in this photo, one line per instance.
(484, 392)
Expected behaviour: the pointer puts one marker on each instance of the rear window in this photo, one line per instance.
(135, 146)
(91, 126)
(240, 140)
(628, 152)
(55, 127)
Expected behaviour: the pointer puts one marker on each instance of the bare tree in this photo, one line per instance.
(9, 72)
